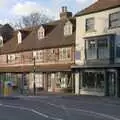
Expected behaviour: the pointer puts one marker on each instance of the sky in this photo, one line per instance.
(11, 10)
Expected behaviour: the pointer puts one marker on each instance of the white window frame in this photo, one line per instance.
(38, 55)
(68, 28)
(19, 35)
(1, 41)
(41, 33)
(11, 57)
(65, 57)
(90, 26)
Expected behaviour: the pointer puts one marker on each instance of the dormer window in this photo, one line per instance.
(41, 33)
(1, 41)
(68, 28)
(19, 35)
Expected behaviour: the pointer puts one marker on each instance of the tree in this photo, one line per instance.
(32, 20)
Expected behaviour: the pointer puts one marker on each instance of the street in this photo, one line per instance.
(58, 108)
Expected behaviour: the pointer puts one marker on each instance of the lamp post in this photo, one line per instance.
(34, 84)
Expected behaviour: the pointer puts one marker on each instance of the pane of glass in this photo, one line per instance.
(102, 43)
(89, 24)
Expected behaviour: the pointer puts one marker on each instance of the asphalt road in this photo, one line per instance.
(57, 108)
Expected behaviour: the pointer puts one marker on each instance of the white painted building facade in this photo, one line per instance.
(106, 23)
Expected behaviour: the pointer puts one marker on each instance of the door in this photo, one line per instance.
(112, 83)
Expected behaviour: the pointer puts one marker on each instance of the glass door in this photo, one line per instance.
(112, 83)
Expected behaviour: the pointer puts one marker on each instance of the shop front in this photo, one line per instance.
(59, 81)
(99, 82)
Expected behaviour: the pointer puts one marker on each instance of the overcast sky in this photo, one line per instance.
(10, 10)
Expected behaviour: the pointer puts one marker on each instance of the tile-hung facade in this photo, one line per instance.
(44, 54)
(97, 69)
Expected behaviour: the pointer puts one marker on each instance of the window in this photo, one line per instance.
(91, 44)
(118, 50)
(114, 20)
(93, 81)
(18, 58)
(41, 33)
(97, 48)
(90, 24)
(11, 58)
(38, 55)
(65, 54)
(68, 28)
(1, 41)
(19, 35)
(102, 43)
(91, 50)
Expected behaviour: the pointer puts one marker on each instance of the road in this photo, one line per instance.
(57, 108)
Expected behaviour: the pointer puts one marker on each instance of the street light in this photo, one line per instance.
(34, 84)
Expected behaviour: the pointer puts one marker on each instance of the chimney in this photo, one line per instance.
(64, 14)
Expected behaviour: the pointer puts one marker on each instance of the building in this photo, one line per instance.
(40, 56)
(97, 57)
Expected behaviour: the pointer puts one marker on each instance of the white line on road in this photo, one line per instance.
(86, 111)
(31, 110)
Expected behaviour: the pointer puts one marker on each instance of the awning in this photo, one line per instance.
(40, 68)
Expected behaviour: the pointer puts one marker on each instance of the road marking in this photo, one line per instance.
(86, 111)
(31, 110)
(95, 113)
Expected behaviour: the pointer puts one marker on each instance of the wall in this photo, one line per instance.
(101, 27)
(42, 57)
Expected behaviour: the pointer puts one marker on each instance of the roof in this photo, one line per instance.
(98, 6)
(54, 38)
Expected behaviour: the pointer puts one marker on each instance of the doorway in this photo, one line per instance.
(112, 83)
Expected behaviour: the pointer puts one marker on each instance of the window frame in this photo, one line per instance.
(41, 33)
(110, 25)
(87, 27)
(68, 29)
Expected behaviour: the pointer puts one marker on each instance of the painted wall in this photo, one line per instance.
(101, 27)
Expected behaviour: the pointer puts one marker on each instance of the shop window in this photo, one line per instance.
(63, 80)
(93, 81)
(118, 51)
(102, 43)
(91, 44)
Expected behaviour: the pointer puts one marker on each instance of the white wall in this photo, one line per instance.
(101, 27)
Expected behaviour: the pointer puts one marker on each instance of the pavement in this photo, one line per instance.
(50, 106)
(69, 96)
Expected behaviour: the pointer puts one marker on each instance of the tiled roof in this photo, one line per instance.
(100, 5)
(54, 38)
